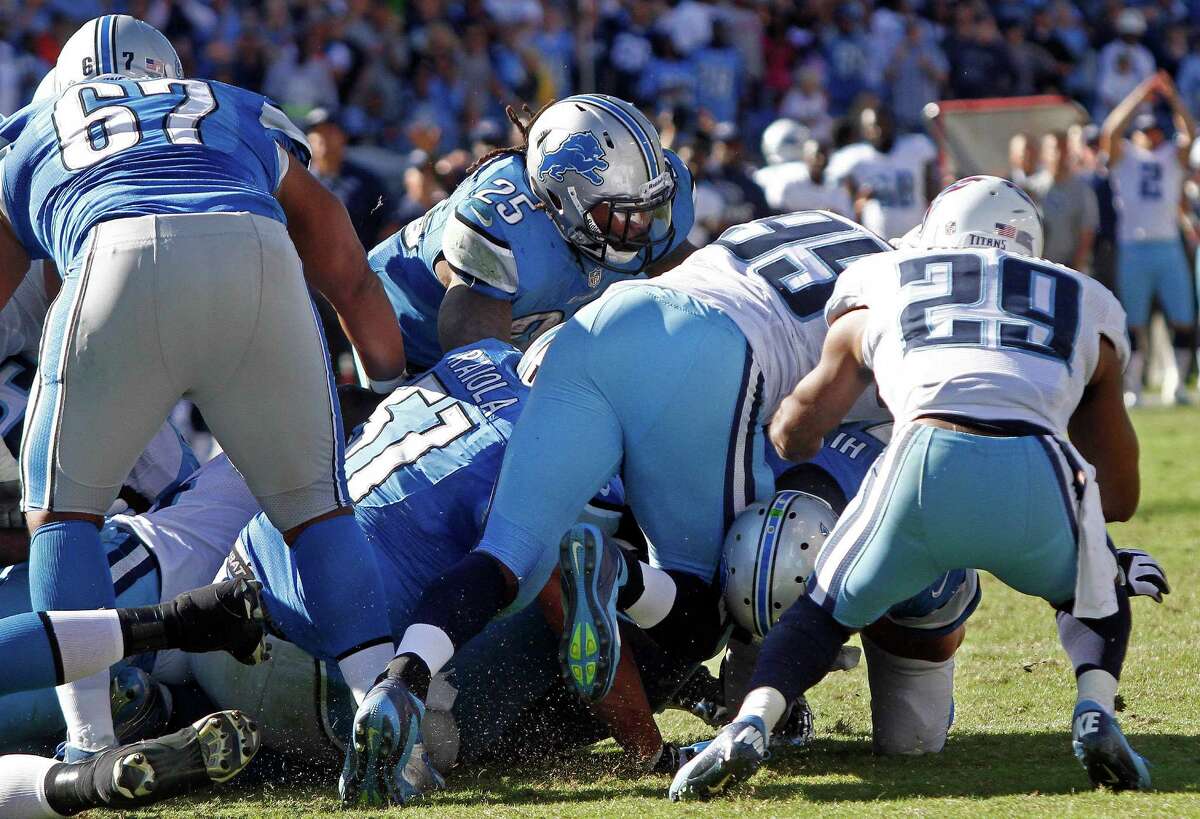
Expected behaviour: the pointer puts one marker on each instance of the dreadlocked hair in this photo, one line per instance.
(522, 125)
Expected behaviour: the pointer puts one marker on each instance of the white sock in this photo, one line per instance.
(360, 669)
(23, 787)
(1098, 686)
(1133, 373)
(766, 703)
(88, 641)
(657, 598)
(430, 643)
(87, 708)
(1183, 361)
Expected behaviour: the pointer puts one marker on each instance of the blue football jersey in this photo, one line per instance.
(846, 455)
(113, 148)
(421, 469)
(491, 234)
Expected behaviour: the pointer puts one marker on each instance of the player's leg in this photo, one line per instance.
(101, 393)
(275, 411)
(1179, 303)
(910, 664)
(708, 428)
(212, 750)
(1045, 565)
(1135, 288)
(875, 557)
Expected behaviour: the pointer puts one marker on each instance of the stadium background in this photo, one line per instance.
(418, 90)
(400, 96)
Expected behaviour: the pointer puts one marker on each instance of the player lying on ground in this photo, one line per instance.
(989, 359)
(181, 208)
(682, 369)
(538, 230)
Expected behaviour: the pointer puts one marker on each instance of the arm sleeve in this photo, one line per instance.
(849, 292)
(288, 139)
(480, 257)
(1110, 321)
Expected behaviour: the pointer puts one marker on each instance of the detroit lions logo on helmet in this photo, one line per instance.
(581, 153)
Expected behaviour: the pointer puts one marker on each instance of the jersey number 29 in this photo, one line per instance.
(961, 299)
(90, 131)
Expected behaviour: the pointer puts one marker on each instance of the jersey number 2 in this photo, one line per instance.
(90, 131)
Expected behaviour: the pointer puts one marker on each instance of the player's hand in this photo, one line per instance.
(1141, 575)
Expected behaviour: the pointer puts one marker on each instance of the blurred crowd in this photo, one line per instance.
(428, 80)
(400, 97)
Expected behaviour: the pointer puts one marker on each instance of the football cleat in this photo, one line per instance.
(386, 730)
(592, 572)
(796, 727)
(732, 757)
(141, 706)
(225, 616)
(213, 750)
(1104, 752)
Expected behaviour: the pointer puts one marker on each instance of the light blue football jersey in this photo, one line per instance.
(489, 231)
(112, 148)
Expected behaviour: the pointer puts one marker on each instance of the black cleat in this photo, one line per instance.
(213, 750)
(226, 616)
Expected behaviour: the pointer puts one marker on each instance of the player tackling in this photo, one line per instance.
(1002, 371)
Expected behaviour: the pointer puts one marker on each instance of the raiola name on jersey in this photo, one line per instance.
(982, 334)
(113, 148)
(772, 277)
(490, 232)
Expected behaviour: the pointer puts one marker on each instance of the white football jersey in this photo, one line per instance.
(981, 334)
(772, 277)
(191, 537)
(896, 178)
(1148, 185)
(22, 318)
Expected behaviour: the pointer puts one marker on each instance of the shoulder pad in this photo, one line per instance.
(477, 252)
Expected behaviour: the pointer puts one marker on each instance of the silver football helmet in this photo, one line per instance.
(115, 44)
(597, 166)
(770, 550)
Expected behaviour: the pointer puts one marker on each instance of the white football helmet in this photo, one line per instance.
(783, 141)
(983, 211)
(769, 552)
(115, 44)
(598, 167)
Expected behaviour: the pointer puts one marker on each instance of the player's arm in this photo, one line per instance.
(335, 264)
(1112, 132)
(1185, 126)
(1101, 430)
(14, 261)
(626, 709)
(468, 315)
(821, 400)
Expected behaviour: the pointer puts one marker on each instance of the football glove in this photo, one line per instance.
(1141, 575)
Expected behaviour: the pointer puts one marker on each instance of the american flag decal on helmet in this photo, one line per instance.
(1021, 237)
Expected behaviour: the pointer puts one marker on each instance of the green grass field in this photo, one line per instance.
(1008, 754)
